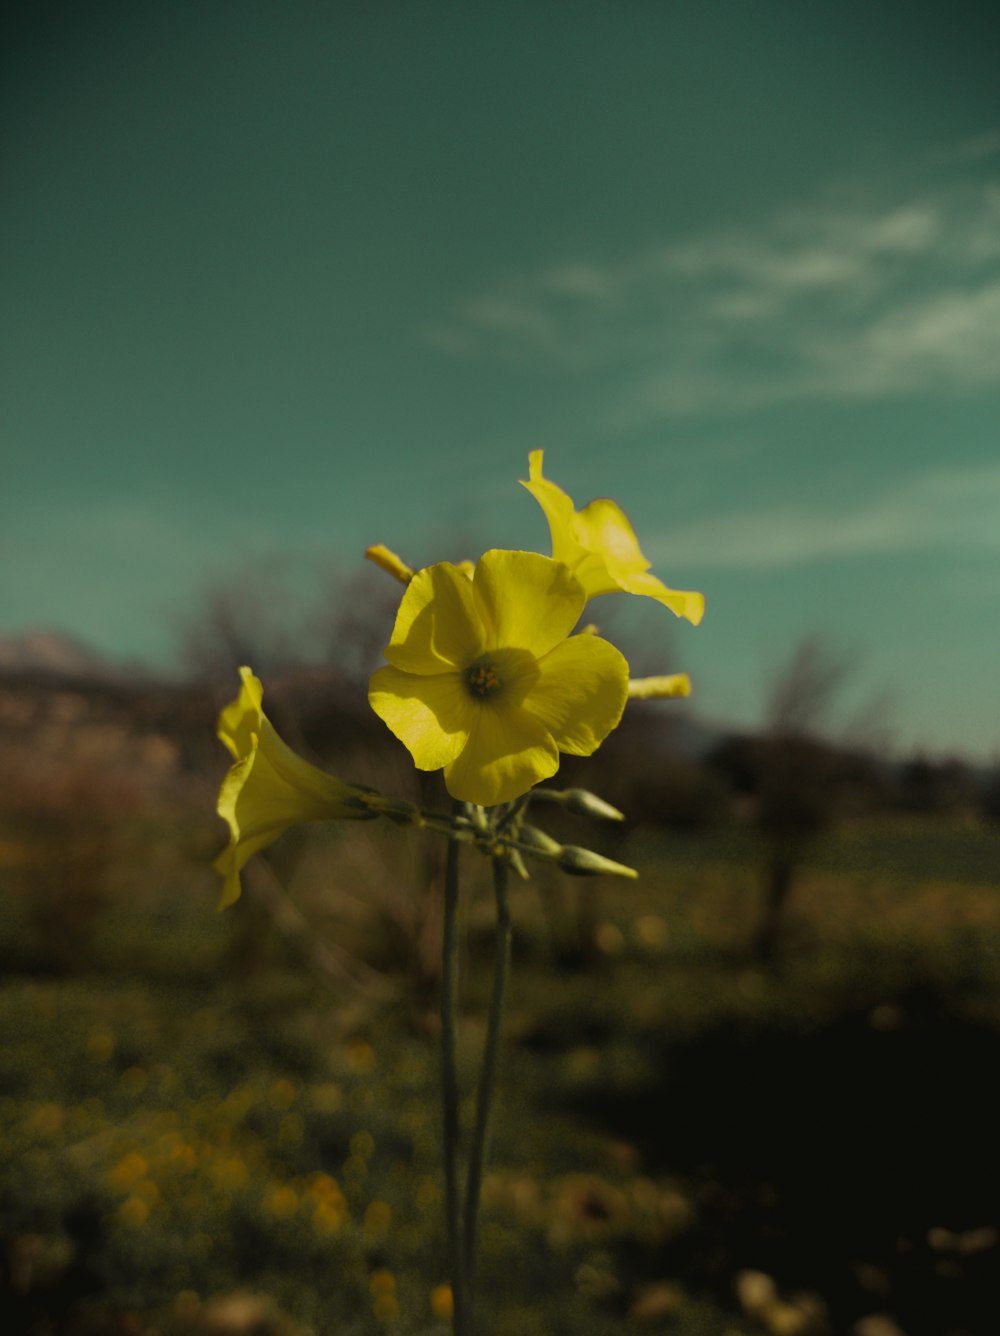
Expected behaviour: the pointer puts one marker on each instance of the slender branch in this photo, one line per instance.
(488, 1073)
(449, 1078)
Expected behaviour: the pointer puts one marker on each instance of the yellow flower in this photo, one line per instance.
(599, 546)
(485, 680)
(270, 788)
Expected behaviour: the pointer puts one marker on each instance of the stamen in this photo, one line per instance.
(483, 680)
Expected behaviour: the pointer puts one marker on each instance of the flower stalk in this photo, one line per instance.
(488, 1072)
(449, 1090)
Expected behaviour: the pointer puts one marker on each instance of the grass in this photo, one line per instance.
(191, 1120)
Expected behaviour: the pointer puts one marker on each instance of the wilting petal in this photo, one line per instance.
(437, 627)
(526, 601)
(431, 715)
(580, 693)
(508, 752)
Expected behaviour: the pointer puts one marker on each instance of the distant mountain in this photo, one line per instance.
(53, 654)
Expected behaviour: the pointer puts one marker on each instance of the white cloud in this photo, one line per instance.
(941, 509)
(841, 298)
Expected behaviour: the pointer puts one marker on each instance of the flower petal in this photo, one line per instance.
(580, 693)
(269, 789)
(508, 752)
(240, 720)
(431, 714)
(603, 528)
(526, 601)
(437, 628)
(600, 547)
(684, 602)
(558, 509)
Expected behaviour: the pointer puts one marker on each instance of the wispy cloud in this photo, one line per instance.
(940, 509)
(839, 298)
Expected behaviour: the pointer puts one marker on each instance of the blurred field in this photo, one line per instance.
(229, 1124)
(203, 1133)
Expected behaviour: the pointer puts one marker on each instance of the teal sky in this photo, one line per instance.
(290, 278)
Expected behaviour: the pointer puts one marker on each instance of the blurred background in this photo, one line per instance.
(283, 280)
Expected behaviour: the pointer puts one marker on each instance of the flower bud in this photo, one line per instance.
(388, 561)
(538, 839)
(584, 803)
(585, 863)
(659, 688)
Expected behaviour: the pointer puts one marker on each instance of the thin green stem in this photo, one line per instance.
(449, 1076)
(488, 1073)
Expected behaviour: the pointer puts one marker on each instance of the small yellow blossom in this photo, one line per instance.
(378, 1217)
(280, 1201)
(485, 679)
(599, 546)
(269, 788)
(133, 1212)
(386, 1307)
(442, 1302)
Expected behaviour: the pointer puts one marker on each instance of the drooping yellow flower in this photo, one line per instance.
(485, 680)
(269, 788)
(599, 546)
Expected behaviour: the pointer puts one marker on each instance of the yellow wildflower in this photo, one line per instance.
(270, 788)
(442, 1302)
(485, 680)
(599, 546)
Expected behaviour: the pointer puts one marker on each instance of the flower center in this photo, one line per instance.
(483, 680)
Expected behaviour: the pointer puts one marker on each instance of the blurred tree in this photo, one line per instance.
(252, 615)
(939, 788)
(796, 777)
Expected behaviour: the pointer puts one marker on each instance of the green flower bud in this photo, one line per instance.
(585, 863)
(584, 803)
(538, 839)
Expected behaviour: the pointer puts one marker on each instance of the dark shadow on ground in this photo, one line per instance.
(860, 1161)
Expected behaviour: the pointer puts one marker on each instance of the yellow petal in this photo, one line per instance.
(659, 688)
(269, 788)
(508, 752)
(604, 529)
(580, 693)
(437, 628)
(686, 603)
(559, 512)
(600, 547)
(526, 601)
(240, 720)
(432, 715)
